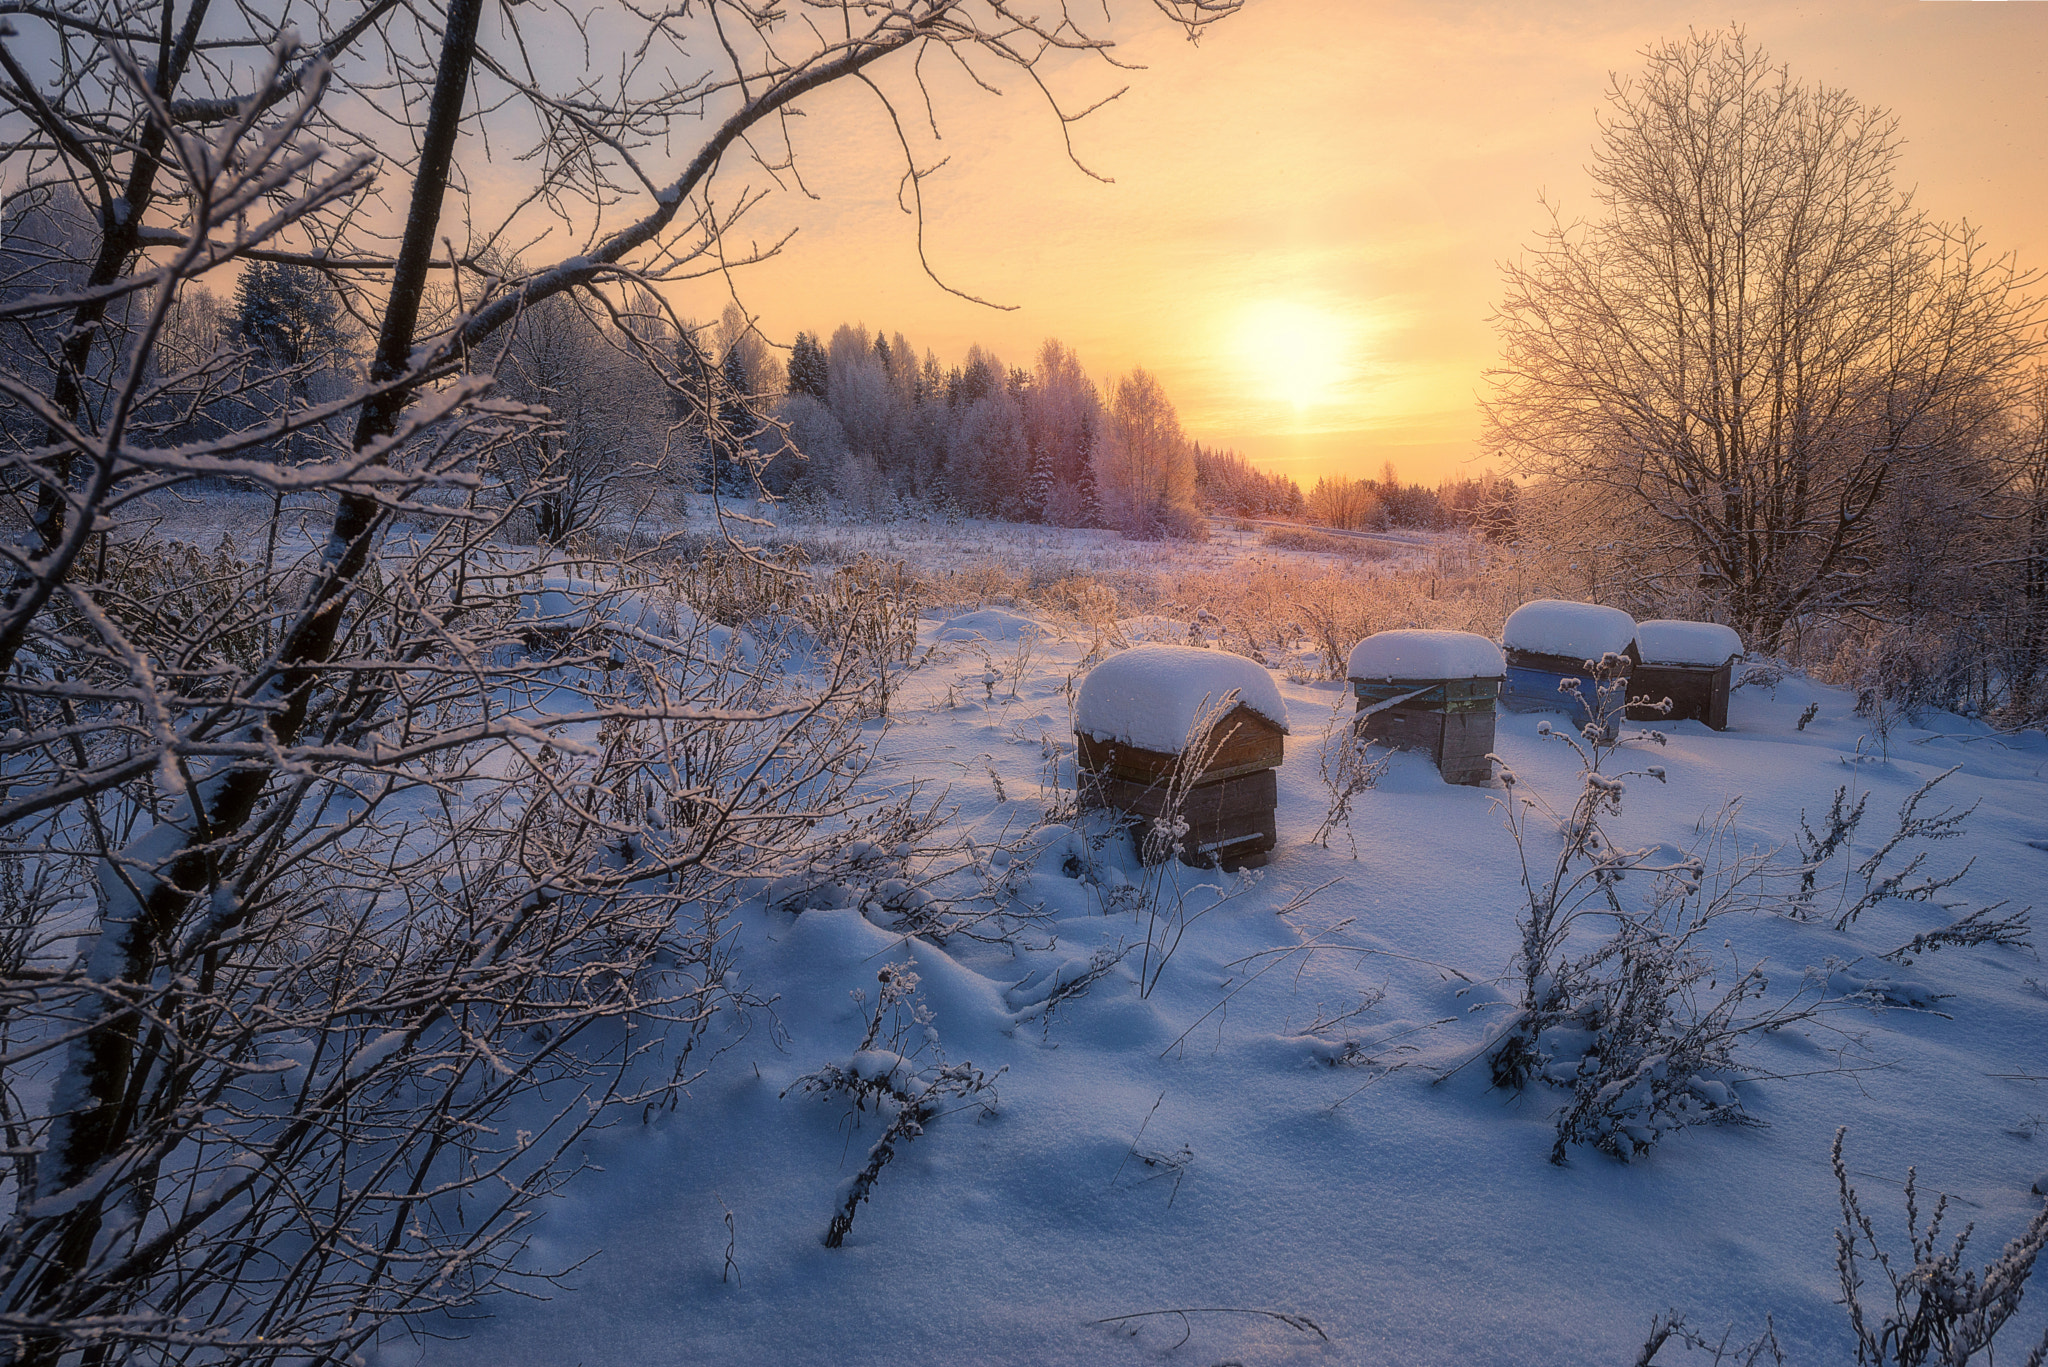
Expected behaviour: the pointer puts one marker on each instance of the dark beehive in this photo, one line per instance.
(1690, 663)
(1432, 691)
(1218, 780)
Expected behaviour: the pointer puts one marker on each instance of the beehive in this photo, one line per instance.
(1692, 664)
(1432, 691)
(1549, 641)
(1160, 728)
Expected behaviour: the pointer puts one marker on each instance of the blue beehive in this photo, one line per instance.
(1549, 641)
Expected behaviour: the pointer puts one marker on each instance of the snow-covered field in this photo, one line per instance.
(1212, 1145)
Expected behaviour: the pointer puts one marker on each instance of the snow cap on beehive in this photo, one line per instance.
(1687, 643)
(1150, 696)
(1425, 655)
(1582, 631)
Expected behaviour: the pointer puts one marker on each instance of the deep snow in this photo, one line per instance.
(1197, 1148)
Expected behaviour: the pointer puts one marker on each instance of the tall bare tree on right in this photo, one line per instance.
(1759, 340)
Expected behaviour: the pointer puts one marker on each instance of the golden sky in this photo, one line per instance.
(1310, 206)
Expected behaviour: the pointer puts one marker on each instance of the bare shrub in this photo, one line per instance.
(1645, 1024)
(1984, 926)
(901, 1074)
(903, 865)
(1326, 543)
(1336, 621)
(984, 581)
(1169, 1164)
(1039, 994)
(1879, 884)
(1090, 604)
(741, 586)
(1348, 766)
(867, 611)
(1941, 1311)
(1672, 1327)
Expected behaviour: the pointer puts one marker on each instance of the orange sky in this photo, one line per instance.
(1309, 207)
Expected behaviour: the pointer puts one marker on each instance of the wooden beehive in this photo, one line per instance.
(1432, 691)
(1220, 781)
(1549, 641)
(1229, 803)
(1692, 664)
(1451, 721)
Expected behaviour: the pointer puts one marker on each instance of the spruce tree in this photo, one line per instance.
(808, 373)
(1091, 495)
(727, 470)
(1038, 490)
(695, 397)
(288, 312)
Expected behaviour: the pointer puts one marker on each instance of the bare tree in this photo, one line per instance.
(1760, 338)
(1143, 467)
(604, 406)
(2018, 564)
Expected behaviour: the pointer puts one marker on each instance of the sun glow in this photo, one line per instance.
(1294, 353)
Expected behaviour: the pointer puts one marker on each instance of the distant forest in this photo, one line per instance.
(863, 418)
(861, 421)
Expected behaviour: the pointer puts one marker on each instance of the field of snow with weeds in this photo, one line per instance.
(1066, 1108)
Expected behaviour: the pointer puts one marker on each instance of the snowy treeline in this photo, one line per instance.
(1485, 504)
(882, 429)
(1229, 483)
(883, 426)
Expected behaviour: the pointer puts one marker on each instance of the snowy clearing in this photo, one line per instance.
(1295, 1118)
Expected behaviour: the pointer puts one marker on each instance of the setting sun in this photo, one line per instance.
(1295, 353)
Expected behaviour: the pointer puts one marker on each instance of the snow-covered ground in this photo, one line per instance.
(1198, 1147)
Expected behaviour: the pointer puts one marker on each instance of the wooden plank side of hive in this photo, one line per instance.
(1239, 842)
(1697, 693)
(1205, 801)
(1400, 728)
(1249, 743)
(1468, 740)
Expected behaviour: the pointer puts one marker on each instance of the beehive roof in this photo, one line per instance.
(1686, 643)
(1583, 631)
(1425, 655)
(1151, 696)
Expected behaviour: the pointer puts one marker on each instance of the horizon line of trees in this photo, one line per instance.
(864, 418)
(1486, 505)
(861, 418)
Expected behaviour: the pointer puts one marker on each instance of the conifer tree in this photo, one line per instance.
(1090, 491)
(807, 370)
(1038, 491)
(289, 312)
(726, 468)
